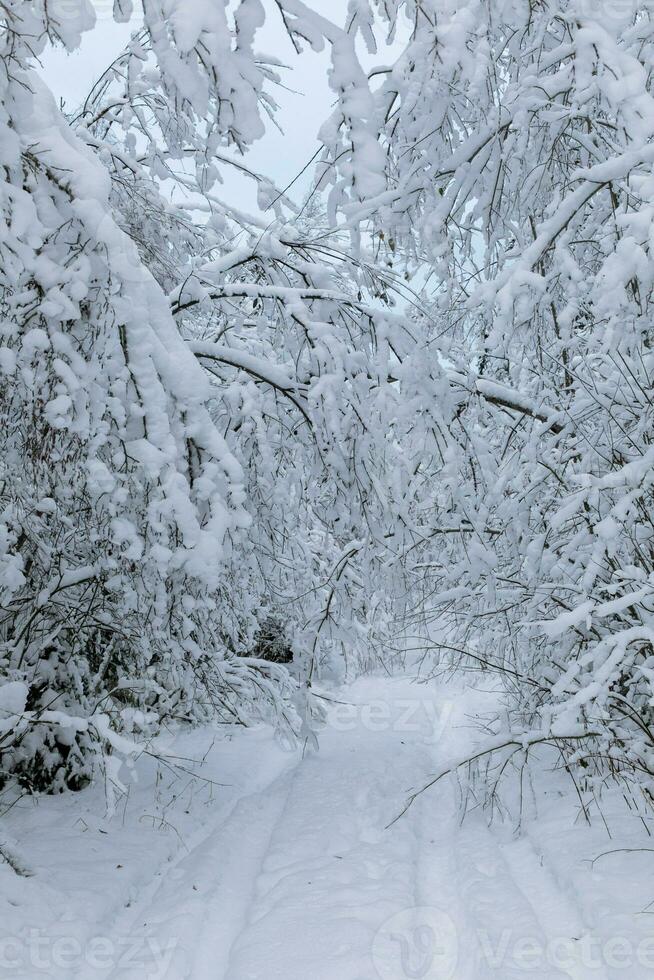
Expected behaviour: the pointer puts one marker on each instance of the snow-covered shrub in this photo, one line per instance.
(272, 641)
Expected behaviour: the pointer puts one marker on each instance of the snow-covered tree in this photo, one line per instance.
(194, 401)
(418, 416)
(518, 179)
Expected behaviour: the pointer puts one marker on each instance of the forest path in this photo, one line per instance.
(304, 880)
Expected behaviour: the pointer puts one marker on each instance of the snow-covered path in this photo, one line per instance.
(305, 881)
(295, 875)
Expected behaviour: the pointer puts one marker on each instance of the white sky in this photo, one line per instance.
(279, 156)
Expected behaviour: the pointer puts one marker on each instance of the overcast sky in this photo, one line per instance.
(279, 156)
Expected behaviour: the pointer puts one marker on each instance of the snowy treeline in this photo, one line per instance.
(413, 413)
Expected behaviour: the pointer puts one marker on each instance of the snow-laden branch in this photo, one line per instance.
(257, 367)
(501, 395)
(286, 294)
(518, 744)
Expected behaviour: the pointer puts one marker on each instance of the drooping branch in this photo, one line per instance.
(261, 370)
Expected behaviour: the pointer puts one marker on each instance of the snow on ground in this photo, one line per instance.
(287, 869)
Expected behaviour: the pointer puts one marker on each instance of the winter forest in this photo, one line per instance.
(327, 504)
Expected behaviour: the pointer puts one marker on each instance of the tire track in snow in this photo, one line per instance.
(513, 919)
(298, 880)
(157, 936)
(333, 874)
(236, 855)
(513, 937)
(559, 915)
